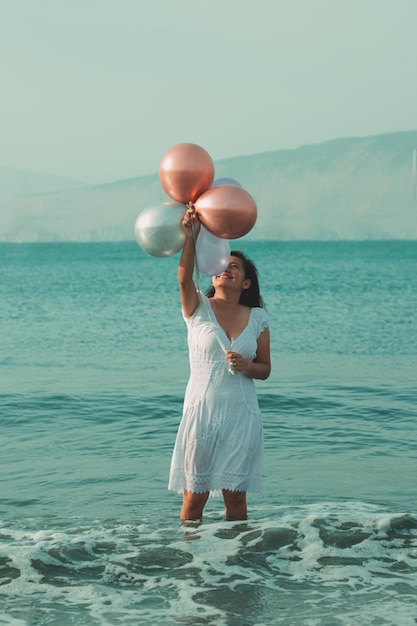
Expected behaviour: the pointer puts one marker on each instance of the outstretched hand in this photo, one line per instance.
(191, 221)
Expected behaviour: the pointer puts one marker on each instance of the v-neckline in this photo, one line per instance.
(233, 339)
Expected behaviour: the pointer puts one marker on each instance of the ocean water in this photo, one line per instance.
(93, 367)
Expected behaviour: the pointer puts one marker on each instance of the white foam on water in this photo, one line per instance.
(348, 563)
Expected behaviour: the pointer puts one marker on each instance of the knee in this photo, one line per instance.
(193, 505)
(235, 504)
(234, 498)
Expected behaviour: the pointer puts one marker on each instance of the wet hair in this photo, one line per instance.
(249, 297)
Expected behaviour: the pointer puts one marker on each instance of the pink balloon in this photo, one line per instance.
(185, 172)
(227, 211)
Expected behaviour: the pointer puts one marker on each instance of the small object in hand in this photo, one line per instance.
(231, 367)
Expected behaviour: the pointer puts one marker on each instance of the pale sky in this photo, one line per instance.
(99, 90)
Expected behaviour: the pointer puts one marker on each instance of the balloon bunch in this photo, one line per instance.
(226, 211)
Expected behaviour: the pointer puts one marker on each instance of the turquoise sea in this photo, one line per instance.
(93, 368)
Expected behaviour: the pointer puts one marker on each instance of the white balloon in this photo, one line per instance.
(213, 253)
(159, 230)
(220, 182)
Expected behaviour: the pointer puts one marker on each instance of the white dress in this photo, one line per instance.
(219, 444)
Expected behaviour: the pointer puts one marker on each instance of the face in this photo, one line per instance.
(233, 275)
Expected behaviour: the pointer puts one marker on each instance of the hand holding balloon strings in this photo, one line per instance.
(191, 222)
(192, 226)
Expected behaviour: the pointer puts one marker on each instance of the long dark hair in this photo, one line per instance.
(249, 297)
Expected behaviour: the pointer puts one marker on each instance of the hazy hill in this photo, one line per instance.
(15, 183)
(359, 188)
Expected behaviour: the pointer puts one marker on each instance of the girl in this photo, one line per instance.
(219, 445)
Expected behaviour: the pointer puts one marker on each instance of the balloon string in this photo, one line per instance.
(197, 270)
(197, 280)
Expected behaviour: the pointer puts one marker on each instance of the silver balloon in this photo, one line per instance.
(159, 230)
(213, 253)
(220, 182)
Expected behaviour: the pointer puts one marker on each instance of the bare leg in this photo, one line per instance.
(193, 505)
(235, 504)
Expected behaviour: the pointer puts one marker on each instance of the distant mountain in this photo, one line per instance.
(358, 188)
(15, 183)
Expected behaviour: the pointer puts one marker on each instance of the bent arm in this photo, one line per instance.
(260, 367)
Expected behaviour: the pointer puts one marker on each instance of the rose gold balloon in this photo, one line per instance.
(227, 211)
(186, 171)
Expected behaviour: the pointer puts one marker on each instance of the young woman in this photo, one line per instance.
(219, 445)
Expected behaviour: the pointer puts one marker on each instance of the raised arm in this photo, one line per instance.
(188, 292)
(260, 367)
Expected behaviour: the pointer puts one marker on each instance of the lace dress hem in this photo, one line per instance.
(181, 482)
